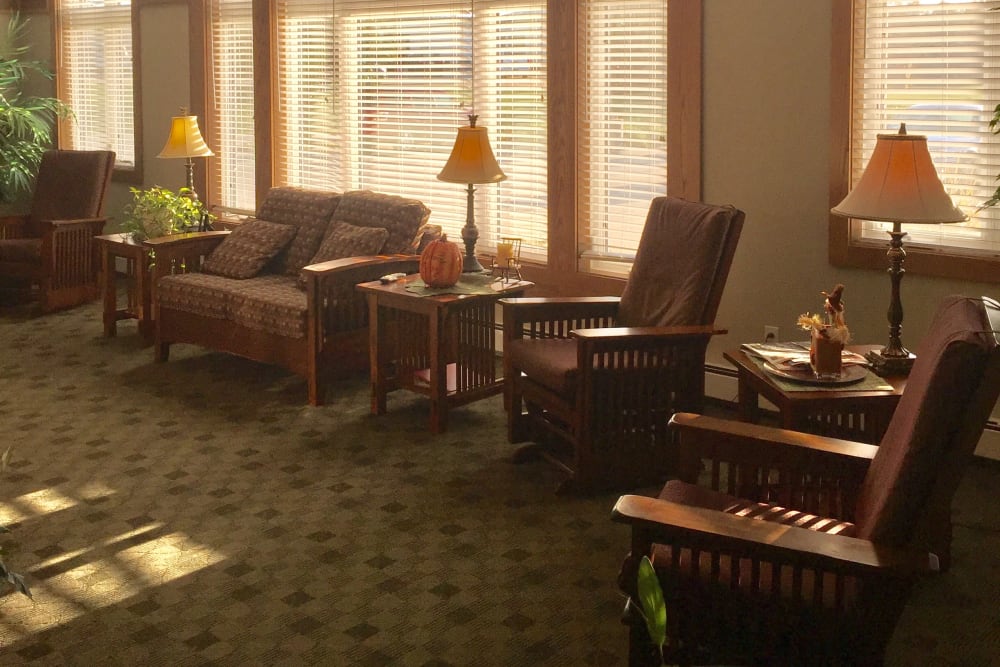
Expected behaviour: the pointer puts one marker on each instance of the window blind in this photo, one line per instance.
(231, 133)
(94, 76)
(934, 67)
(372, 93)
(623, 124)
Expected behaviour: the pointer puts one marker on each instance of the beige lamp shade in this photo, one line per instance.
(185, 139)
(472, 159)
(900, 184)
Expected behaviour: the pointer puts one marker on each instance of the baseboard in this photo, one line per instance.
(721, 385)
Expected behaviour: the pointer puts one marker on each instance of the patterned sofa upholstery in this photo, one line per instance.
(296, 306)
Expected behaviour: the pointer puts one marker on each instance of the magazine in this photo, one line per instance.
(793, 354)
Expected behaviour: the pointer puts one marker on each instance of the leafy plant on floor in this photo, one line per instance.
(12, 578)
(26, 122)
(651, 604)
(158, 211)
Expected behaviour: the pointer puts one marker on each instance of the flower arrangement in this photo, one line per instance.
(831, 324)
(158, 212)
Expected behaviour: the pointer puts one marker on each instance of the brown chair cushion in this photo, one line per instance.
(26, 251)
(346, 240)
(948, 367)
(681, 247)
(248, 248)
(309, 211)
(551, 362)
(404, 218)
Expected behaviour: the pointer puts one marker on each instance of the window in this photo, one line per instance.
(931, 66)
(574, 96)
(94, 76)
(230, 108)
(370, 94)
(623, 128)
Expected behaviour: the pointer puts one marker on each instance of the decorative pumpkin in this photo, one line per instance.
(441, 263)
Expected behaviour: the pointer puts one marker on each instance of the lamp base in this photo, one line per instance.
(888, 366)
(471, 265)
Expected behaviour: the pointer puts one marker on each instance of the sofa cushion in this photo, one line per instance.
(269, 302)
(248, 248)
(404, 218)
(346, 240)
(309, 211)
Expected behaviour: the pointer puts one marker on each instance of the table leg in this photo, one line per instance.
(749, 407)
(377, 354)
(438, 371)
(142, 284)
(110, 293)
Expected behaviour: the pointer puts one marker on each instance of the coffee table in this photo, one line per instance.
(442, 346)
(841, 412)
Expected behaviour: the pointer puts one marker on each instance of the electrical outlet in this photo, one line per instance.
(770, 334)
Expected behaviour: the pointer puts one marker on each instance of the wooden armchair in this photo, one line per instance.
(53, 246)
(603, 375)
(802, 549)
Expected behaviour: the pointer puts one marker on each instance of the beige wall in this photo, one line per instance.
(766, 150)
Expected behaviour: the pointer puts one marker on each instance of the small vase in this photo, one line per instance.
(825, 356)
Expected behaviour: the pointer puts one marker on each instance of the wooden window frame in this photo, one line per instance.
(845, 245)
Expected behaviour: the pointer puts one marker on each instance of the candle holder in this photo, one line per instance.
(507, 262)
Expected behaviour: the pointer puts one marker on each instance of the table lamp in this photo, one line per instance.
(471, 162)
(901, 186)
(185, 141)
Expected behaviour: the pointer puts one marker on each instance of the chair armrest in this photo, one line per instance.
(660, 521)
(624, 334)
(555, 317)
(375, 266)
(778, 465)
(76, 222)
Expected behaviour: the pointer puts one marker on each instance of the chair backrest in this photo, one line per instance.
(681, 265)
(949, 395)
(72, 185)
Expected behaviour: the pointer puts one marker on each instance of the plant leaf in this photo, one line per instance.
(654, 608)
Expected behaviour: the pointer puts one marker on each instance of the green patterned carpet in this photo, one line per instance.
(199, 512)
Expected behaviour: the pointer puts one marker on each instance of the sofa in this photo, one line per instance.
(280, 287)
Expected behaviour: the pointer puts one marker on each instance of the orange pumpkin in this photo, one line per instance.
(441, 263)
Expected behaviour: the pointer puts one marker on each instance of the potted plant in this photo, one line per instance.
(158, 211)
(26, 122)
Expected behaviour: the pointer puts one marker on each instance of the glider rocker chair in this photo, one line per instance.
(53, 246)
(594, 381)
(799, 549)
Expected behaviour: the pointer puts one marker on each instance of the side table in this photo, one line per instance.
(442, 346)
(139, 297)
(861, 416)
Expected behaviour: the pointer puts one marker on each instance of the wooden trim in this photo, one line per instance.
(562, 158)
(684, 99)
(264, 23)
(135, 174)
(846, 248)
(198, 87)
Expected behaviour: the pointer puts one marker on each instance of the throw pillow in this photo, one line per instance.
(346, 240)
(248, 248)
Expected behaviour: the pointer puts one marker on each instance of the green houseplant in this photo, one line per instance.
(158, 211)
(26, 122)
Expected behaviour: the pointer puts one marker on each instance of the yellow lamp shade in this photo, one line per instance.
(472, 159)
(185, 139)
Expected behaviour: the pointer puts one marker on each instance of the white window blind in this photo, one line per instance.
(933, 66)
(372, 92)
(231, 133)
(94, 76)
(622, 128)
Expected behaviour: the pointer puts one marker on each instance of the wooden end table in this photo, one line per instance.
(139, 300)
(442, 346)
(861, 416)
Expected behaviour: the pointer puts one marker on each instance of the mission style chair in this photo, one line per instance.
(593, 381)
(53, 246)
(800, 549)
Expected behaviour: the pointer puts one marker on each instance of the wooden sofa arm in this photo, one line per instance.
(664, 522)
(181, 253)
(621, 336)
(555, 317)
(771, 464)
